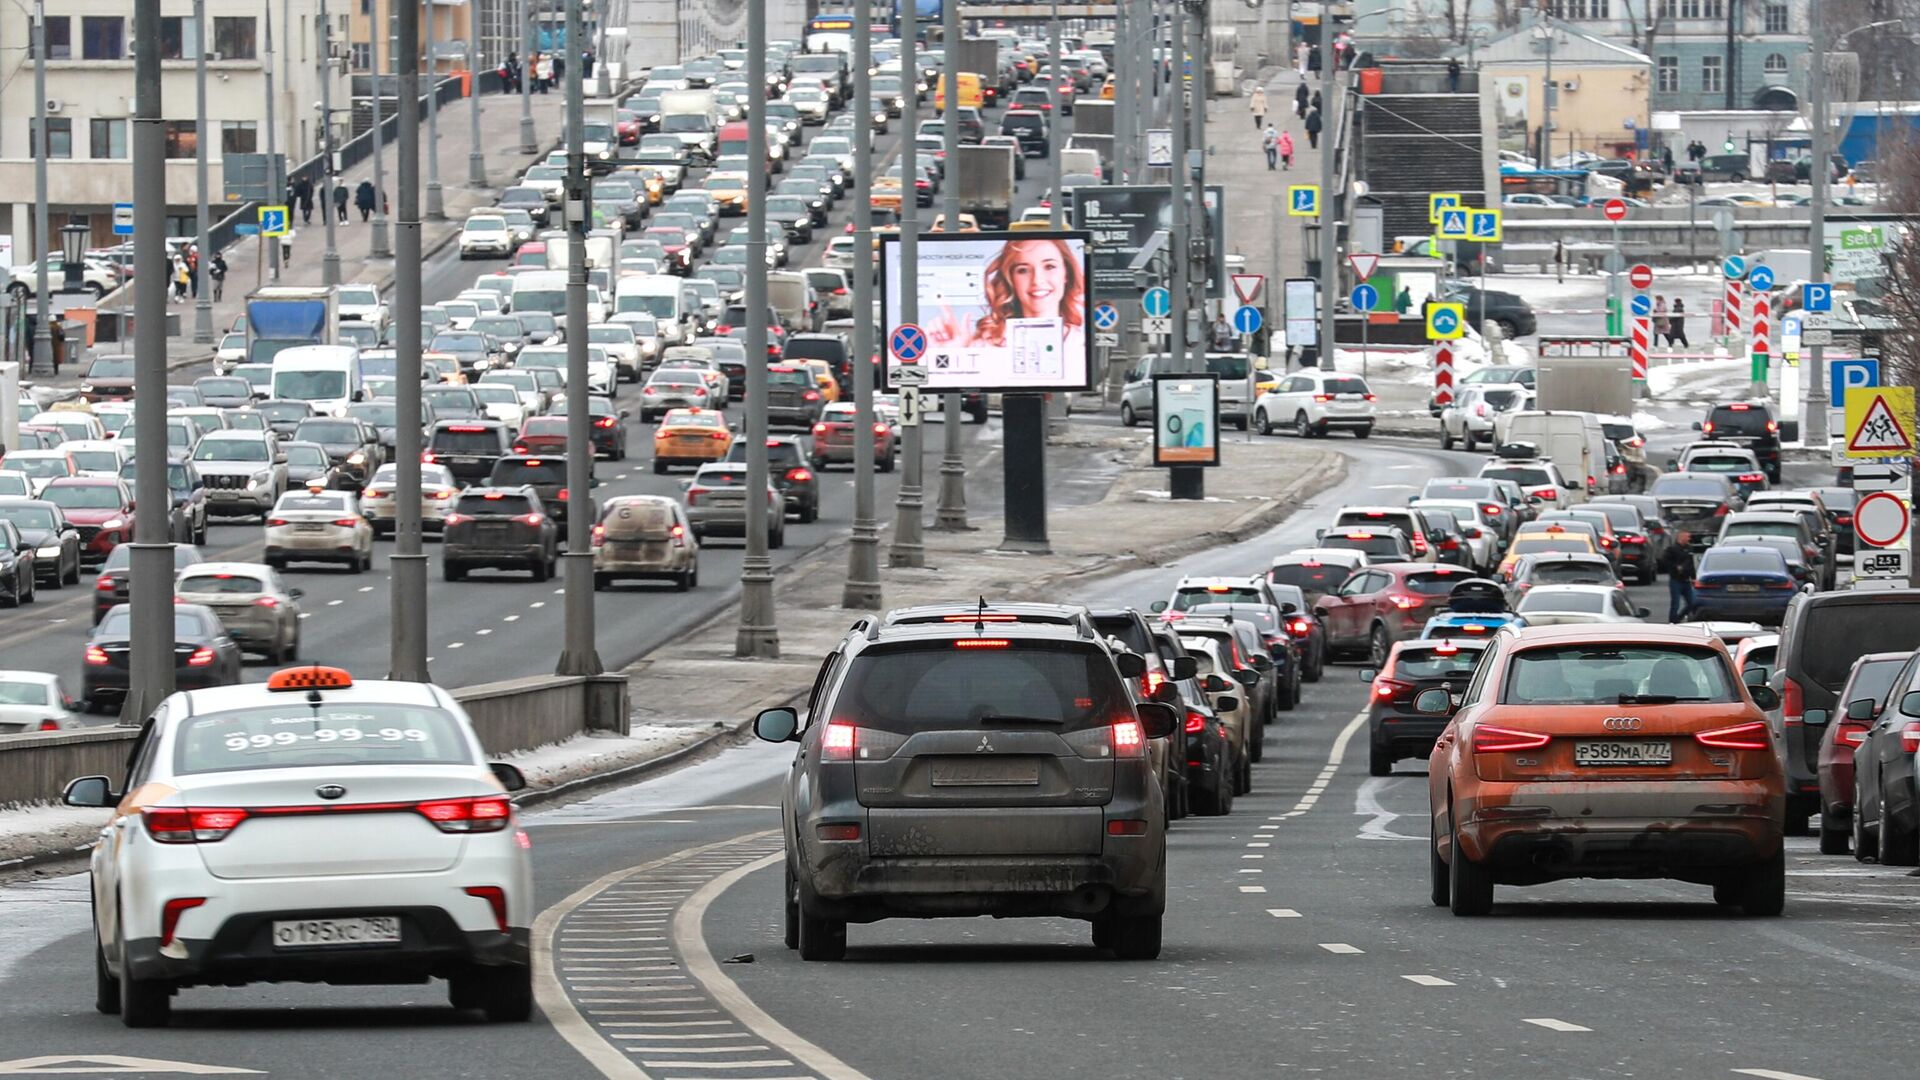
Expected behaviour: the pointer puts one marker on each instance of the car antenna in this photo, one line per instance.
(980, 617)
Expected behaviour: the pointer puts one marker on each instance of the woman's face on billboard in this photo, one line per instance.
(1038, 276)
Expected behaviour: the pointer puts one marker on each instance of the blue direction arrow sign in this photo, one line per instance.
(1760, 277)
(1106, 317)
(1246, 319)
(1365, 297)
(1641, 304)
(908, 342)
(1816, 297)
(1734, 267)
(1157, 302)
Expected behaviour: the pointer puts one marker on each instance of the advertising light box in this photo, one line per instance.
(1002, 312)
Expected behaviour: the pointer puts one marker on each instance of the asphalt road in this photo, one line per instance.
(1299, 939)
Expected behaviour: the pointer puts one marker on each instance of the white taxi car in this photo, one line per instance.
(319, 526)
(1313, 402)
(437, 491)
(309, 830)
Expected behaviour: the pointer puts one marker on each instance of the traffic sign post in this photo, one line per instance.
(1439, 201)
(1816, 296)
(1483, 226)
(1615, 209)
(1365, 298)
(1642, 336)
(1443, 373)
(1247, 286)
(1156, 326)
(1762, 351)
(1880, 422)
(1453, 224)
(1845, 375)
(273, 221)
(1640, 276)
(1364, 263)
(123, 219)
(1881, 520)
(1760, 278)
(1246, 320)
(1446, 322)
(1105, 317)
(908, 343)
(1303, 200)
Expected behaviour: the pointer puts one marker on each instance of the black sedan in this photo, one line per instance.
(56, 543)
(203, 654)
(16, 567)
(352, 445)
(1395, 728)
(609, 433)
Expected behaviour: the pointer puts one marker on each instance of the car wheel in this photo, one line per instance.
(1799, 824)
(1833, 840)
(790, 911)
(1102, 932)
(106, 988)
(1446, 438)
(1763, 888)
(451, 572)
(1469, 885)
(821, 938)
(1127, 417)
(683, 583)
(1243, 773)
(1439, 879)
(1899, 843)
(1362, 432)
(1135, 937)
(31, 587)
(541, 569)
(1862, 843)
(600, 582)
(1378, 646)
(1261, 423)
(73, 575)
(1379, 761)
(809, 513)
(276, 563)
(144, 1003)
(1301, 429)
(659, 467)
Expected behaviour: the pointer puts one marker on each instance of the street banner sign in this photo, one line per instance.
(273, 221)
(123, 219)
(1880, 422)
(1446, 321)
(1246, 319)
(1483, 226)
(1845, 375)
(1247, 286)
(1364, 263)
(1126, 221)
(1365, 297)
(1816, 297)
(1881, 519)
(1303, 200)
(1438, 201)
(1454, 223)
(1186, 419)
(1640, 276)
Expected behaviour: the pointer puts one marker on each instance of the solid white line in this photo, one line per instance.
(1283, 913)
(690, 1049)
(1253, 888)
(685, 1035)
(1427, 980)
(689, 936)
(773, 1063)
(1551, 1024)
(1340, 948)
(1773, 1074)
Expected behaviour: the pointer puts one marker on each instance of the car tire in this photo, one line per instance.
(541, 569)
(1127, 417)
(1242, 777)
(1439, 877)
(1301, 428)
(887, 465)
(777, 539)
(1799, 824)
(1216, 801)
(1763, 888)
(790, 912)
(1379, 761)
(1469, 885)
(1364, 431)
(73, 576)
(1899, 843)
(144, 1003)
(451, 572)
(1378, 646)
(600, 582)
(1135, 937)
(821, 938)
(1261, 423)
(809, 513)
(276, 563)
(1102, 932)
(1833, 840)
(683, 583)
(106, 988)
(659, 467)
(1446, 438)
(1863, 842)
(293, 647)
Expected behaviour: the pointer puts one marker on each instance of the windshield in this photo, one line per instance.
(115, 368)
(120, 624)
(293, 734)
(84, 496)
(306, 455)
(327, 431)
(1439, 662)
(1685, 487)
(1745, 420)
(659, 306)
(95, 460)
(310, 385)
(379, 414)
(38, 468)
(28, 517)
(220, 583)
(1617, 674)
(1063, 687)
(534, 471)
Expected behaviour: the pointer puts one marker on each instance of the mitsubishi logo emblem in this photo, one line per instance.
(985, 747)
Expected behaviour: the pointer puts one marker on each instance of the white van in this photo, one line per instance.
(1081, 161)
(1574, 441)
(791, 296)
(327, 376)
(667, 298)
(541, 290)
(601, 247)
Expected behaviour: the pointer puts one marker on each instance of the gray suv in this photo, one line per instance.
(974, 768)
(1233, 370)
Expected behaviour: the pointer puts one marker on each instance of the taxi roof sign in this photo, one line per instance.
(311, 677)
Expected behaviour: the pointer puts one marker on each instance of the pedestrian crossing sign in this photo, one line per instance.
(273, 221)
(1483, 226)
(1303, 200)
(1880, 422)
(1441, 200)
(1453, 223)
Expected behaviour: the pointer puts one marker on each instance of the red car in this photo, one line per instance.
(1870, 682)
(101, 508)
(532, 253)
(1382, 604)
(627, 127)
(542, 435)
(833, 439)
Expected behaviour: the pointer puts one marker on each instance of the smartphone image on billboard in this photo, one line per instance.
(1185, 427)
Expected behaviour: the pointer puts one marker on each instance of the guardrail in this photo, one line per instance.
(519, 714)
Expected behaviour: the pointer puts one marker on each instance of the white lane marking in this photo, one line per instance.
(1340, 948)
(1366, 803)
(1551, 1024)
(482, 633)
(1427, 980)
(457, 645)
(1253, 856)
(1334, 757)
(306, 614)
(1253, 888)
(692, 942)
(94, 1064)
(1391, 487)
(511, 618)
(763, 1063)
(1250, 870)
(1259, 843)
(366, 588)
(1773, 1074)
(538, 604)
(1283, 913)
(560, 591)
(690, 1049)
(335, 603)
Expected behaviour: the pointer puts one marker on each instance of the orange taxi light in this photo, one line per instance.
(314, 677)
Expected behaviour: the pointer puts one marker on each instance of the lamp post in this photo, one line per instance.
(909, 538)
(476, 161)
(330, 259)
(436, 206)
(377, 244)
(73, 250)
(578, 656)
(602, 81)
(862, 587)
(950, 513)
(408, 563)
(203, 300)
(527, 145)
(758, 636)
(42, 230)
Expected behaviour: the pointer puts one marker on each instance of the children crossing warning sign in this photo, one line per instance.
(1880, 422)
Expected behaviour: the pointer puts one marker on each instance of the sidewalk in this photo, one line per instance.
(1257, 226)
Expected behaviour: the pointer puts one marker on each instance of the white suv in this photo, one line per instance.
(1315, 402)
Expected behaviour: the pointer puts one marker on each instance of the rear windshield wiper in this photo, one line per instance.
(1647, 699)
(1046, 720)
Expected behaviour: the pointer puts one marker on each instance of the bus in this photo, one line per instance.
(830, 32)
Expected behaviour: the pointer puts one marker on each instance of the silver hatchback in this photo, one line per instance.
(973, 769)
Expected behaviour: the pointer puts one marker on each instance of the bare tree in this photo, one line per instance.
(1901, 195)
(1644, 24)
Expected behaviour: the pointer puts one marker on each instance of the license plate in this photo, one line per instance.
(1743, 588)
(1623, 752)
(987, 772)
(310, 528)
(318, 933)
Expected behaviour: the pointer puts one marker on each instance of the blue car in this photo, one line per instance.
(1743, 582)
(1476, 624)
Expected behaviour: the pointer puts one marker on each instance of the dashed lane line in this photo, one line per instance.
(1341, 948)
(1253, 888)
(1551, 1024)
(1283, 913)
(1427, 980)
(1773, 1074)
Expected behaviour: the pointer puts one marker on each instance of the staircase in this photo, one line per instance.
(1414, 143)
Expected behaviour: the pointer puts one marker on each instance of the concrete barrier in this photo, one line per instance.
(518, 714)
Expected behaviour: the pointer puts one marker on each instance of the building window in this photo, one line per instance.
(1775, 64)
(59, 142)
(103, 37)
(239, 137)
(185, 226)
(1710, 71)
(1776, 19)
(59, 38)
(107, 138)
(1667, 75)
(362, 57)
(233, 37)
(1697, 9)
(179, 38)
(1580, 9)
(183, 139)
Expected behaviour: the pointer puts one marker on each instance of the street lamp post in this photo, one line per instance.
(73, 252)
(758, 636)
(330, 259)
(408, 563)
(602, 81)
(203, 298)
(377, 244)
(579, 656)
(42, 229)
(909, 538)
(527, 145)
(476, 161)
(436, 205)
(951, 512)
(862, 587)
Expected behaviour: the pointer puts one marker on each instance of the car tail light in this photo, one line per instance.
(1404, 603)
(1843, 519)
(427, 458)
(96, 655)
(1544, 492)
(563, 494)
(599, 535)
(819, 430)
(1781, 585)
(880, 429)
(200, 657)
(606, 421)
(839, 742)
(105, 582)
(1792, 701)
(530, 519)
(1748, 736)
(811, 395)
(1488, 739)
(455, 519)
(693, 495)
(266, 602)
(1129, 739)
(1490, 508)
(1449, 544)
(496, 898)
(1127, 827)
(1388, 689)
(170, 913)
(799, 476)
(1196, 722)
(1632, 539)
(380, 493)
(346, 523)
(679, 535)
(481, 813)
(1300, 626)
(191, 824)
(1720, 511)
(1773, 427)
(842, 831)
(1851, 734)
(49, 725)
(1706, 428)
(1749, 478)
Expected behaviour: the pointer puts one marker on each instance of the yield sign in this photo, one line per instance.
(1876, 431)
(1247, 286)
(1364, 263)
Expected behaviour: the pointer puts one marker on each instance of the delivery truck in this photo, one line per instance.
(282, 317)
(986, 184)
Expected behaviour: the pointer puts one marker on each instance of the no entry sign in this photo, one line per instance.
(1615, 209)
(1641, 276)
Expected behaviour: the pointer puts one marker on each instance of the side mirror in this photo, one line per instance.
(296, 593)
(1131, 665)
(686, 485)
(1157, 720)
(777, 725)
(1768, 698)
(510, 776)
(89, 791)
(1696, 425)
(1261, 663)
(1157, 606)
(1246, 676)
(1183, 667)
(1227, 703)
(1433, 702)
(1673, 464)
(1642, 612)
(1368, 674)
(1215, 683)
(1860, 709)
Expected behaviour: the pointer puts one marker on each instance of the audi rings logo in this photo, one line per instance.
(1621, 723)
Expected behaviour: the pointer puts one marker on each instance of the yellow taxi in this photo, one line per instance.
(728, 188)
(1536, 537)
(690, 437)
(656, 188)
(968, 223)
(823, 377)
(886, 194)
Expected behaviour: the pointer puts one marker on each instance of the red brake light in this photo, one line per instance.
(1299, 626)
(496, 898)
(606, 421)
(819, 429)
(799, 476)
(191, 824)
(811, 395)
(1490, 508)
(880, 429)
(1196, 723)
(96, 655)
(1387, 689)
(1772, 427)
(1404, 603)
(346, 523)
(839, 741)
(170, 913)
(980, 643)
(1129, 739)
(465, 428)
(266, 602)
(200, 657)
(600, 534)
(1544, 493)
(49, 725)
(1749, 478)
(1707, 428)
(1488, 739)
(530, 519)
(1792, 701)
(1748, 736)
(105, 583)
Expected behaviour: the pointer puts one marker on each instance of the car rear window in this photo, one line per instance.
(542, 471)
(545, 425)
(1525, 477)
(1571, 573)
(1741, 562)
(1435, 582)
(1789, 529)
(910, 688)
(1739, 420)
(120, 624)
(779, 454)
(494, 503)
(1590, 603)
(220, 583)
(1682, 487)
(1380, 545)
(1128, 629)
(294, 735)
(1195, 595)
(1437, 662)
(1872, 680)
(1346, 386)
(456, 441)
(1457, 490)
(1617, 674)
(1317, 577)
(1228, 367)
(815, 349)
(1529, 545)
(1834, 635)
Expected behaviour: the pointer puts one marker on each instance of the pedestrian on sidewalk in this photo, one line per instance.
(179, 277)
(340, 197)
(217, 273)
(1679, 565)
(1286, 151)
(1560, 261)
(586, 64)
(1453, 75)
(542, 72)
(1257, 104)
(1313, 59)
(1403, 300)
(193, 270)
(1270, 142)
(1222, 333)
(1660, 322)
(1313, 105)
(1313, 129)
(363, 199)
(1300, 102)
(303, 195)
(1300, 58)
(559, 69)
(1677, 325)
(286, 249)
